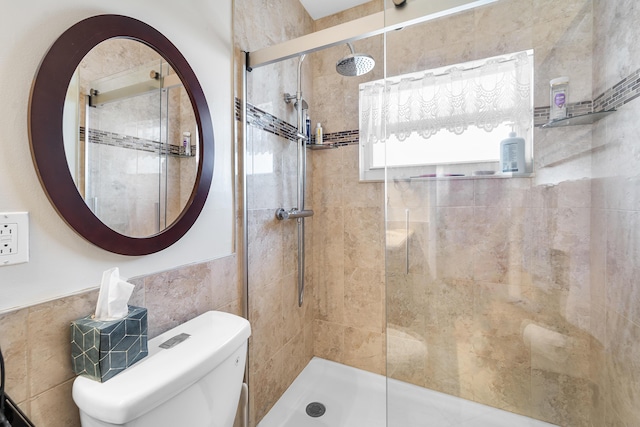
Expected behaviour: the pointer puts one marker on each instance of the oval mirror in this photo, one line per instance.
(121, 135)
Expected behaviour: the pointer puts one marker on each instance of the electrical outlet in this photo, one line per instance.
(14, 238)
(8, 239)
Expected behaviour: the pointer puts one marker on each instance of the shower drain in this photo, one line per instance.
(316, 409)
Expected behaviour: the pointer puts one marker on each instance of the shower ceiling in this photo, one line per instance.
(320, 8)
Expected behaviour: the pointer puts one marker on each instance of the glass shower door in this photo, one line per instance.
(125, 154)
(490, 284)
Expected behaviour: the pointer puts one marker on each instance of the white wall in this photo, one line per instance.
(61, 262)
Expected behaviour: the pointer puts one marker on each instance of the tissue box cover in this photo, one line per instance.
(102, 349)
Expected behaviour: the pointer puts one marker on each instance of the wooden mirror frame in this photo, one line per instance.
(46, 134)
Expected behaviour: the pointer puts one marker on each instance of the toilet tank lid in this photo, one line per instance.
(214, 336)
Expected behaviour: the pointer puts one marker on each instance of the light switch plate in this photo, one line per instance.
(14, 238)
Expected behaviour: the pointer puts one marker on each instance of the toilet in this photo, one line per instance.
(193, 380)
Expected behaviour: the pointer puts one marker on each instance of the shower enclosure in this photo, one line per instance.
(514, 291)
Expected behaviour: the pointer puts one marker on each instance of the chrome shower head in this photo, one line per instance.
(355, 64)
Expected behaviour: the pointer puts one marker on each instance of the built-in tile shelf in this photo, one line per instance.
(445, 177)
(321, 146)
(582, 119)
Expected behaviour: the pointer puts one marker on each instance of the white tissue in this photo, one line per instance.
(113, 297)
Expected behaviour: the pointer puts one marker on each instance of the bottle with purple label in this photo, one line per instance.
(559, 98)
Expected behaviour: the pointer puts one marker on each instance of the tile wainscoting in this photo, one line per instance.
(36, 345)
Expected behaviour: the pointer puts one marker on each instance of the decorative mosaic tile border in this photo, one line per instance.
(346, 137)
(133, 143)
(270, 123)
(621, 93)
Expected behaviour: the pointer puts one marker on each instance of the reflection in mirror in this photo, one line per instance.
(130, 137)
(57, 159)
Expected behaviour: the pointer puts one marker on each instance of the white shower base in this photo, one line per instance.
(356, 398)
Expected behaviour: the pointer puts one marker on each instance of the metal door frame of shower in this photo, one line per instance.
(408, 13)
(244, 396)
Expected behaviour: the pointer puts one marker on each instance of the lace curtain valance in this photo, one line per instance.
(483, 94)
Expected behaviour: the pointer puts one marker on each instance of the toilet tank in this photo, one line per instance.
(196, 382)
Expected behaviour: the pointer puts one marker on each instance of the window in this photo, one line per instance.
(446, 121)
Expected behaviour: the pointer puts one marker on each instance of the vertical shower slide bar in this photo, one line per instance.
(299, 213)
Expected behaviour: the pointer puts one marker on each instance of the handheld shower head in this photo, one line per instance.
(355, 64)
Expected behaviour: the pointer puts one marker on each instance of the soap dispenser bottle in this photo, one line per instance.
(319, 136)
(512, 154)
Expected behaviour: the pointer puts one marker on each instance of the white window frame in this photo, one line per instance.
(368, 172)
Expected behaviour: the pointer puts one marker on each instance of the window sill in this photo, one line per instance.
(474, 176)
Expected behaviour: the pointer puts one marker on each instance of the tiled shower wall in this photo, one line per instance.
(349, 318)
(519, 293)
(282, 339)
(615, 196)
(35, 340)
(342, 233)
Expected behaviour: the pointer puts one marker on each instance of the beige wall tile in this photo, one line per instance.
(266, 387)
(234, 307)
(408, 304)
(328, 260)
(290, 244)
(560, 399)
(622, 365)
(445, 371)
(363, 238)
(265, 315)
(15, 350)
(294, 359)
(623, 291)
(498, 247)
(294, 317)
(175, 296)
(454, 244)
(328, 339)
(598, 382)
(265, 178)
(456, 192)
(328, 294)
(225, 285)
(494, 193)
(49, 340)
(615, 30)
(364, 299)
(503, 386)
(266, 248)
(405, 358)
(327, 178)
(364, 350)
(55, 407)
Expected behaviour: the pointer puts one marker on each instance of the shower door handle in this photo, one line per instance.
(406, 240)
